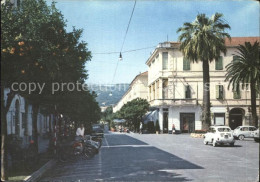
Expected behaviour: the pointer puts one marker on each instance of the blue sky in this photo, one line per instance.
(105, 22)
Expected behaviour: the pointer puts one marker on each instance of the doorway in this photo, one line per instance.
(165, 120)
(236, 116)
(187, 122)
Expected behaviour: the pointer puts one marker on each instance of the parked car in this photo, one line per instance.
(219, 135)
(242, 132)
(97, 130)
(256, 135)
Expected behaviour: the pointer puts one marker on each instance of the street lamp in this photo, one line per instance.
(120, 57)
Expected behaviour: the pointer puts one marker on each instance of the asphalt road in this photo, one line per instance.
(134, 157)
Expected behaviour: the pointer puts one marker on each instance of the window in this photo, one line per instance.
(252, 128)
(165, 89)
(236, 93)
(186, 64)
(245, 129)
(219, 118)
(157, 89)
(219, 92)
(219, 63)
(187, 92)
(235, 58)
(165, 60)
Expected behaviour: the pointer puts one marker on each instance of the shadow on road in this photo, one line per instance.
(123, 162)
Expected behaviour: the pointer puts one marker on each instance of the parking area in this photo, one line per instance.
(222, 163)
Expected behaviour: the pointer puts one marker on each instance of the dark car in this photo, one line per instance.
(97, 130)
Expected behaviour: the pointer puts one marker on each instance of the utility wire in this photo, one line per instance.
(124, 40)
(124, 51)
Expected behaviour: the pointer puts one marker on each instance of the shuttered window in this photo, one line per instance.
(219, 63)
(219, 92)
(236, 93)
(165, 60)
(186, 64)
(187, 92)
(235, 58)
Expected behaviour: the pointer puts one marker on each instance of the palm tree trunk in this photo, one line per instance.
(206, 96)
(253, 103)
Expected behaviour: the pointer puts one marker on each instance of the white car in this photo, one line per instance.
(219, 135)
(256, 135)
(242, 132)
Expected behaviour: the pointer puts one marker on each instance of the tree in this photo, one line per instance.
(133, 111)
(244, 70)
(204, 40)
(36, 48)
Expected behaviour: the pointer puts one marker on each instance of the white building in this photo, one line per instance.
(137, 89)
(19, 119)
(176, 89)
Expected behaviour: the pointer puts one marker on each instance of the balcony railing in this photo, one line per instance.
(174, 102)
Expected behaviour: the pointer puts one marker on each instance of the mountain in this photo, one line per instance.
(108, 94)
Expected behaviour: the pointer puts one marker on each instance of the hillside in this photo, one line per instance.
(109, 94)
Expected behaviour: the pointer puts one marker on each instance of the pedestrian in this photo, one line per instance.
(141, 127)
(173, 128)
(80, 131)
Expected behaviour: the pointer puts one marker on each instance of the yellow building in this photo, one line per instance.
(137, 89)
(175, 87)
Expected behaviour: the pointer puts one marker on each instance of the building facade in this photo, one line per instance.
(175, 88)
(137, 89)
(19, 119)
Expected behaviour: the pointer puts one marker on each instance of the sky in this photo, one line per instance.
(104, 24)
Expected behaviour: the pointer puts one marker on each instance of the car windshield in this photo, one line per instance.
(223, 129)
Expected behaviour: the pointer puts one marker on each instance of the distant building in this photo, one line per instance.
(175, 88)
(137, 89)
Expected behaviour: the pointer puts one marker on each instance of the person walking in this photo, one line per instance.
(173, 128)
(141, 127)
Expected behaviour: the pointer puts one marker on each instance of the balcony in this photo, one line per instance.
(174, 102)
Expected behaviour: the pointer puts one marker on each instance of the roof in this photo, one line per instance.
(235, 41)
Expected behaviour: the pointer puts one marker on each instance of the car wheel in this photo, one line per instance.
(241, 137)
(214, 143)
(205, 142)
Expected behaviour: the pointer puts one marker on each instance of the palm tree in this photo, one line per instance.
(245, 70)
(204, 40)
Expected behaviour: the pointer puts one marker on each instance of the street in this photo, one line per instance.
(164, 157)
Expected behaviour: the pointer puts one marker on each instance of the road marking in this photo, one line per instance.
(114, 146)
(106, 142)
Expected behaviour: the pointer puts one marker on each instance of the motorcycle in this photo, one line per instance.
(76, 148)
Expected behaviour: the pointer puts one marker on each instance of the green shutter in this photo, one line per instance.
(235, 58)
(219, 63)
(236, 94)
(186, 64)
(217, 91)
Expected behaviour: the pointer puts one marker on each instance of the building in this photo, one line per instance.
(19, 119)
(175, 88)
(137, 89)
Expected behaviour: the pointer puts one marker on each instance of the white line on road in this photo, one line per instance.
(126, 146)
(106, 142)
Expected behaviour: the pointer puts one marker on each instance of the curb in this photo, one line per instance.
(37, 174)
